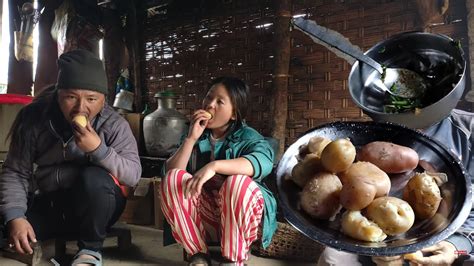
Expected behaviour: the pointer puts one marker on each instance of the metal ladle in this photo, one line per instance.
(399, 82)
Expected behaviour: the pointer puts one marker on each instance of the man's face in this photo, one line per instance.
(80, 101)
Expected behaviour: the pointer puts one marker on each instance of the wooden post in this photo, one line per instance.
(279, 107)
(113, 49)
(134, 41)
(46, 69)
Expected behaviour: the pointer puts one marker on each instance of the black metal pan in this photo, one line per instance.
(457, 192)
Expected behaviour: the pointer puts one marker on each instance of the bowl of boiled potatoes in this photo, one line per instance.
(376, 189)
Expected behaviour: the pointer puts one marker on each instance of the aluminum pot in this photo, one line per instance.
(163, 128)
(438, 58)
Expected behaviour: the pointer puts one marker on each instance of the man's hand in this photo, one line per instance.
(21, 234)
(86, 138)
(388, 261)
(194, 185)
(444, 253)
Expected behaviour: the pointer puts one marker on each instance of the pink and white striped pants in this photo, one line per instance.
(233, 216)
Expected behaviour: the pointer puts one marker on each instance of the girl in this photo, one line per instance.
(221, 196)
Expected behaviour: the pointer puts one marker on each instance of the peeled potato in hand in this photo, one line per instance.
(81, 120)
(208, 115)
(413, 256)
(393, 215)
(338, 155)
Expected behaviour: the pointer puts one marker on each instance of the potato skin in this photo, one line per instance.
(338, 155)
(320, 196)
(423, 194)
(307, 168)
(356, 194)
(369, 174)
(393, 215)
(389, 157)
(317, 144)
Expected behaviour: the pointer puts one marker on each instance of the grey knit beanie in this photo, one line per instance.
(81, 69)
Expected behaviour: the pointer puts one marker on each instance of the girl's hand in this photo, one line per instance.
(193, 187)
(199, 122)
(86, 138)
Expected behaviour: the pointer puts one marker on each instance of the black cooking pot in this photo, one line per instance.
(436, 57)
(453, 211)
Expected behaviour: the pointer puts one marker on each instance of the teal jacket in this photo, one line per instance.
(245, 142)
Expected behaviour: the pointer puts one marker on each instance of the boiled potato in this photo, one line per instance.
(355, 225)
(208, 115)
(369, 175)
(320, 196)
(413, 256)
(317, 144)
(389, 157)
(356, 194)
(81, 120)
(423, 194)
(338, 155)
(306, 169)
(393, 215)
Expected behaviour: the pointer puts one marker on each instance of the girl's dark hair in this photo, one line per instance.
(238, 92)
(29, 117)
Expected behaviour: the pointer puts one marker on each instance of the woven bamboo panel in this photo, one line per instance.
(184, 53)
(186, 49)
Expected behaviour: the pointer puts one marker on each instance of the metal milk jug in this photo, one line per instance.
(162, 129)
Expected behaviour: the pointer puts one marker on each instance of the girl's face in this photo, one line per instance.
(218, 103)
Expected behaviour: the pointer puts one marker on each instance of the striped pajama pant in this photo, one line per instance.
(231, 216)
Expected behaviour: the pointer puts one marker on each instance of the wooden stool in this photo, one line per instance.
(121, 231)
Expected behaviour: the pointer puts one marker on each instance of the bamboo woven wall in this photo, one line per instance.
(185, 52)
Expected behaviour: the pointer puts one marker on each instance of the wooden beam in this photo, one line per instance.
(113, 49)
(279, 106)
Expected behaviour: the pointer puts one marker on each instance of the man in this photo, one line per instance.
(61, 178)
(455, 133)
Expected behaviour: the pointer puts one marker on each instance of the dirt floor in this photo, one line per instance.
(146, 249)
